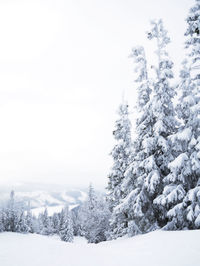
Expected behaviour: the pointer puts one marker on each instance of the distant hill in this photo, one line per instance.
(41, 196)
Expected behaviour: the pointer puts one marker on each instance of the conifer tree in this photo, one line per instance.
(30, 221)
(21, 226)
(10, 213)
(55, 223)
(94, 218)
(192, 34)
(121, 154)
(45, 223)
(76, 221)
(181, 194)
(66, 231)
(2, 228)
(164, 124)
(152, 147)
(127, 213)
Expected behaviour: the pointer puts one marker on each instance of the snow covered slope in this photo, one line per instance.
(159, 248)
(53, 201)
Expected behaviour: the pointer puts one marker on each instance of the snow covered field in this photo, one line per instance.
(159, 248)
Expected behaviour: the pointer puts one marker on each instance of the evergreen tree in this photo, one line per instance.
(94, 218)
(66, 231)
(86, 211)
(5, 218)
(127, 214)
(21, 226)
(181, 194)
(30, 221)
(121, 154)
(92, 198)
(164, 124)
(144, 178)
(192, 34)
(13, 216)
(10, 213)
(2, 228)
(45, 223)
(55, 223)
(76, 221)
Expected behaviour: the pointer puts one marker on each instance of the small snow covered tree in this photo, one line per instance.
(21, 225)
(5, 218)
(55, 223)
(94, 218)
(10, 214)
(181, 194)
(30, 221)
(92, 198)
(76, 221)
(45, 223)
(2, 227)
(66, 230)
(121, 154)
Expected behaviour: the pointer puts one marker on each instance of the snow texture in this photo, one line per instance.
(152, 249)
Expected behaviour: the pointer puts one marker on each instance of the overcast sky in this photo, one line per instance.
(63, 68)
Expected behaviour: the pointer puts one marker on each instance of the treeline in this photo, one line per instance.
(90, 220)
(155, 178)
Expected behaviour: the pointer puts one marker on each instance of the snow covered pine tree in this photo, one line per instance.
(164, 124)
(121, 154)
(152, 149)
(66, 226)
(130, 211)
(181, 196)
(94, 217)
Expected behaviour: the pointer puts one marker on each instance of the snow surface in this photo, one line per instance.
(160, 248)
(178, 162)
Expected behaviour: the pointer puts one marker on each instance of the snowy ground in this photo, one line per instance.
(153, 249)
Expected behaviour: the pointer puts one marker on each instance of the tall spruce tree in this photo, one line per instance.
(181, 194)
(192, 34)
(152, 147)
(164, 123)
(130, 210)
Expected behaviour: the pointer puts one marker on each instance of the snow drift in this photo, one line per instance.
(160, 248)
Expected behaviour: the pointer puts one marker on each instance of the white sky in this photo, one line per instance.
(63, 67)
